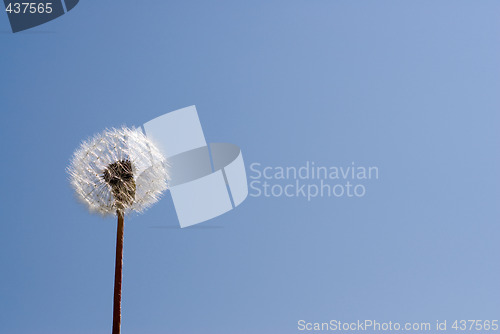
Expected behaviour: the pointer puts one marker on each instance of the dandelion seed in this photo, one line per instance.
(116, 172)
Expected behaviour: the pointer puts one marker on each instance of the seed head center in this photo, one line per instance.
(120, 177)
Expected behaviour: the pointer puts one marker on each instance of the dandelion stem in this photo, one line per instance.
(118, 274)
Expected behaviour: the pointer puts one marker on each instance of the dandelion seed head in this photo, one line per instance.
(118, 169)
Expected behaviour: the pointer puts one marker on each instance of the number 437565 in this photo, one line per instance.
(29, 7)
(477, 325)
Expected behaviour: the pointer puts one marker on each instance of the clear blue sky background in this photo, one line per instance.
(409, 86)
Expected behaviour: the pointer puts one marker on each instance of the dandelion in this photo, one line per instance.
(114, 173)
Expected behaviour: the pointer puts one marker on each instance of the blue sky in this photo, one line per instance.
(410, 87)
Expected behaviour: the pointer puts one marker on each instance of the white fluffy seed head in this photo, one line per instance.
(112, 146)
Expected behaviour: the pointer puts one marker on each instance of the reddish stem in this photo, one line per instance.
(118, 275)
